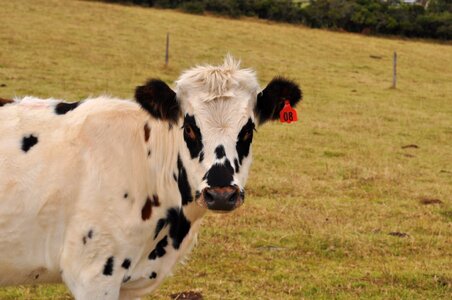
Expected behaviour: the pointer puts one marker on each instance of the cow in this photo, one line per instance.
(107, 194)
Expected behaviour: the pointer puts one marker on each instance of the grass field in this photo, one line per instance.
(337, 207)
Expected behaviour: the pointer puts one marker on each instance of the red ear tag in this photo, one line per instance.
(288, 114)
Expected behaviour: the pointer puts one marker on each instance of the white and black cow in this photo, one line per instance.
(107, 194)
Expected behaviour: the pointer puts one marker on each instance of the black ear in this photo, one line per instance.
(271, 100)
(159, 100)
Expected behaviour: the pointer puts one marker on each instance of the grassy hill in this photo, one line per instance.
(337, 207)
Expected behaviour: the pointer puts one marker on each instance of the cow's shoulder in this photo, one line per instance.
(106, 120)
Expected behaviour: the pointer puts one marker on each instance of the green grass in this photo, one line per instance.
(323, 193)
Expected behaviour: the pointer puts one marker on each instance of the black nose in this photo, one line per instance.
(222, 198)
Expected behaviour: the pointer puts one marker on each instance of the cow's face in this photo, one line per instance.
(217, 108)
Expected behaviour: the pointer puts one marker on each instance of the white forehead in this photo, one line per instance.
(218, 94)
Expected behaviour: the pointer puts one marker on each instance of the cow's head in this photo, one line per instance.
(217, 108)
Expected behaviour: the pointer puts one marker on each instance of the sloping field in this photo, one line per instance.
(340, 205)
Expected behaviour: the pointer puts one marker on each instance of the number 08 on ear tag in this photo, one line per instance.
(288, 114)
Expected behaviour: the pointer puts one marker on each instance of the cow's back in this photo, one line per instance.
(50, 161)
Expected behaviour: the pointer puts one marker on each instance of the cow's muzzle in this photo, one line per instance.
(222, 199)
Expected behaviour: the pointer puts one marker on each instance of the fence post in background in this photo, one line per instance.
(394, 71)
(167, 49)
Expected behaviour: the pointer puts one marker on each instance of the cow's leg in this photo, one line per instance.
(90, 266)
(86, 285)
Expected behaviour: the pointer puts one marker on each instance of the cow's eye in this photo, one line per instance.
(248, 136)
(189, 132)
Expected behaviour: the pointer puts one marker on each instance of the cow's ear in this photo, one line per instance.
(270, 101)
(159, 100)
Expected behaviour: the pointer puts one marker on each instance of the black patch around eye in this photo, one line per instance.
(220, 175)
(63, 107)
(182, 183)
(194, 146)
(153, 275)
(126, 264)
(179, 226)
(108, 267)
(244, 140)
(201, 156)
(219, 152)
(236, 164)
(28, 142)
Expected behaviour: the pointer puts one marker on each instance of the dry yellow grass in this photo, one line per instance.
(325, 193)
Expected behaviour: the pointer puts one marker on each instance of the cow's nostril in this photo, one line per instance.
(233, 196)
(209, 196)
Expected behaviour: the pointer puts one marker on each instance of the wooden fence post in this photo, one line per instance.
(394, 71)
(167, 49)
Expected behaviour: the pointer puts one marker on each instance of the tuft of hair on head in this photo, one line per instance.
(230, 63)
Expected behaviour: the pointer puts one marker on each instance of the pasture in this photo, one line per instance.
(351, 202)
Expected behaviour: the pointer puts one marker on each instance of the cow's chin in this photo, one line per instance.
(202, 203)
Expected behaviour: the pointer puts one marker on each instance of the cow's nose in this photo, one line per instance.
(222, 198)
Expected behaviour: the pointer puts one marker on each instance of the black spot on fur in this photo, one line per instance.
(108, 267)
(63, 107)
(179, 226)
(159, 100)
(147, 132)
(160, 224)
(126, 278)
(201, 156)
(271, 100)
(191, 130)
(149, 152)
(5, 101)
(220, 175)
(153, 275)
(197, 194)
(175, 177)
(244, 140)
(155, 200)
(182, 183)
(236, 164)
(159, 250)
(36, 276)
(219, 152)
(146, 210)
(126, 195)
(126, 264)
(89, 235)
(28, 142)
